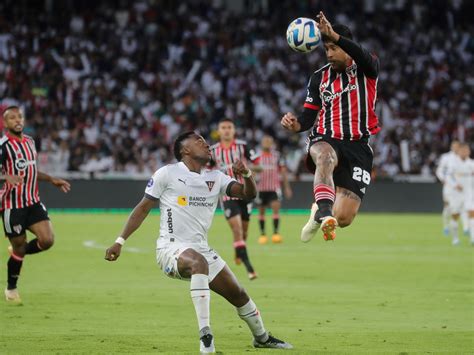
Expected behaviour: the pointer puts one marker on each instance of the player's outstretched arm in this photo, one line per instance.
(247, 190)
(364, 60)
(64, 185)
(136, 218)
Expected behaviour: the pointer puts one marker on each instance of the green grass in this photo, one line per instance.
(388, 284)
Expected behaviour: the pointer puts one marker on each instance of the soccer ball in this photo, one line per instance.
(303, 35)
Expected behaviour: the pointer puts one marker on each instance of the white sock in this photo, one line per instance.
(446, 217)
(454, 230)
(471, 229)
(465, 220)
(250, 314)
(201, 296)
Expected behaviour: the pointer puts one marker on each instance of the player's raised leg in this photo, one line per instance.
(325, 159)
(226, 285)
(346, 206)
(193, 265)
(14, 264)
(44, 240)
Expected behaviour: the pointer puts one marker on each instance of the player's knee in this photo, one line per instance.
(199, 265)
(345, 220)
(46, 243)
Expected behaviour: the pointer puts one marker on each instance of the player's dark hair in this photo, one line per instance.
(226, 119)
(341, 30)
(11, 107)
(178, 144)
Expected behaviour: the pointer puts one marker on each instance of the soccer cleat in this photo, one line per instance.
(263, 239)
(12, 296)
(328, 226)
(272, 343)
(207, 344)
(311, 227)
(252, 275)
(277, 239)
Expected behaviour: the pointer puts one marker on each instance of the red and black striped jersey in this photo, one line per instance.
(18, 157)
(222, 158)
(271, 164)
(345, 101)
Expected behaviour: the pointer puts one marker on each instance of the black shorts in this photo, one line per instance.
(355, 159)
(235, 207)
(17, 221)
(264, 198)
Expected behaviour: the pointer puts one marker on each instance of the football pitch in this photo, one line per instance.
(390, 283)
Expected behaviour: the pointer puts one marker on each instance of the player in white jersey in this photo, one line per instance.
(188, 195)
(459, 183)
(441, 173)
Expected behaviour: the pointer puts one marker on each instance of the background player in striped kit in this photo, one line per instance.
(236, 211)
(340, 104)
(272, 173)
(22, 209)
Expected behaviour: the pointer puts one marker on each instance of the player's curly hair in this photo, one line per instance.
(341, 30)
(178, 144)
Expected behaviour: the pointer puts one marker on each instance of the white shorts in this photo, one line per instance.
(167, 258)
(447, 193)
(456, 203)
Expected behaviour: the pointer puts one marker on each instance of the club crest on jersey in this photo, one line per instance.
(182, 201)
(352, 70)
(20, 164)
(210, 184)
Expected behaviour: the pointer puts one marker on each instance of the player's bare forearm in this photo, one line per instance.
(245, 191)
(136, 218)
(44, 177)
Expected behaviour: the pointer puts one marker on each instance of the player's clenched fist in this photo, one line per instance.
(239, 168)
(290, 122)
(113, 252)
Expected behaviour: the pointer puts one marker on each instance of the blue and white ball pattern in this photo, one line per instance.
(303, 35)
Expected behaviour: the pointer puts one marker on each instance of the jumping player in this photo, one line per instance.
(339, 107)
(236, 210)
(22, 209)
(272, 173)
(188, 195)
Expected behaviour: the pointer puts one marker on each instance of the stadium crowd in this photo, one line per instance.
(107, 87)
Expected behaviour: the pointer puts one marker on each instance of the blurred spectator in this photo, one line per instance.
(107, 87)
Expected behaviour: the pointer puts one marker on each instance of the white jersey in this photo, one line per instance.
(188, 201)
(445, 161)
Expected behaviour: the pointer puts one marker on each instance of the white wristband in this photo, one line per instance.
(120, 241)
(249, 174)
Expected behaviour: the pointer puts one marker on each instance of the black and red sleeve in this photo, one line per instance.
(312, 103)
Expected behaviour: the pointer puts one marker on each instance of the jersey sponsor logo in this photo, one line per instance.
(199, 201)
(150, 183)
(210, 185)
(169, 221)
(22, 164)
(328, 96)
(182, 201)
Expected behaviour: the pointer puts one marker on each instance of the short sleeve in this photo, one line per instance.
(157, 183)
(225, 182)
(313, 99)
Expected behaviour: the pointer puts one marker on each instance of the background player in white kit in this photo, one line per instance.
(459, 181)
(442, 174)
(188, 195)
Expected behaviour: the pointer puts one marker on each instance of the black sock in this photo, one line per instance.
(14, 267)
(242, 255)
(276, 223)
(32, 247)
(261, 223)
(324, 210)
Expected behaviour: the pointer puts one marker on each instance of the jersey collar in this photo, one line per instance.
(15, 138)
